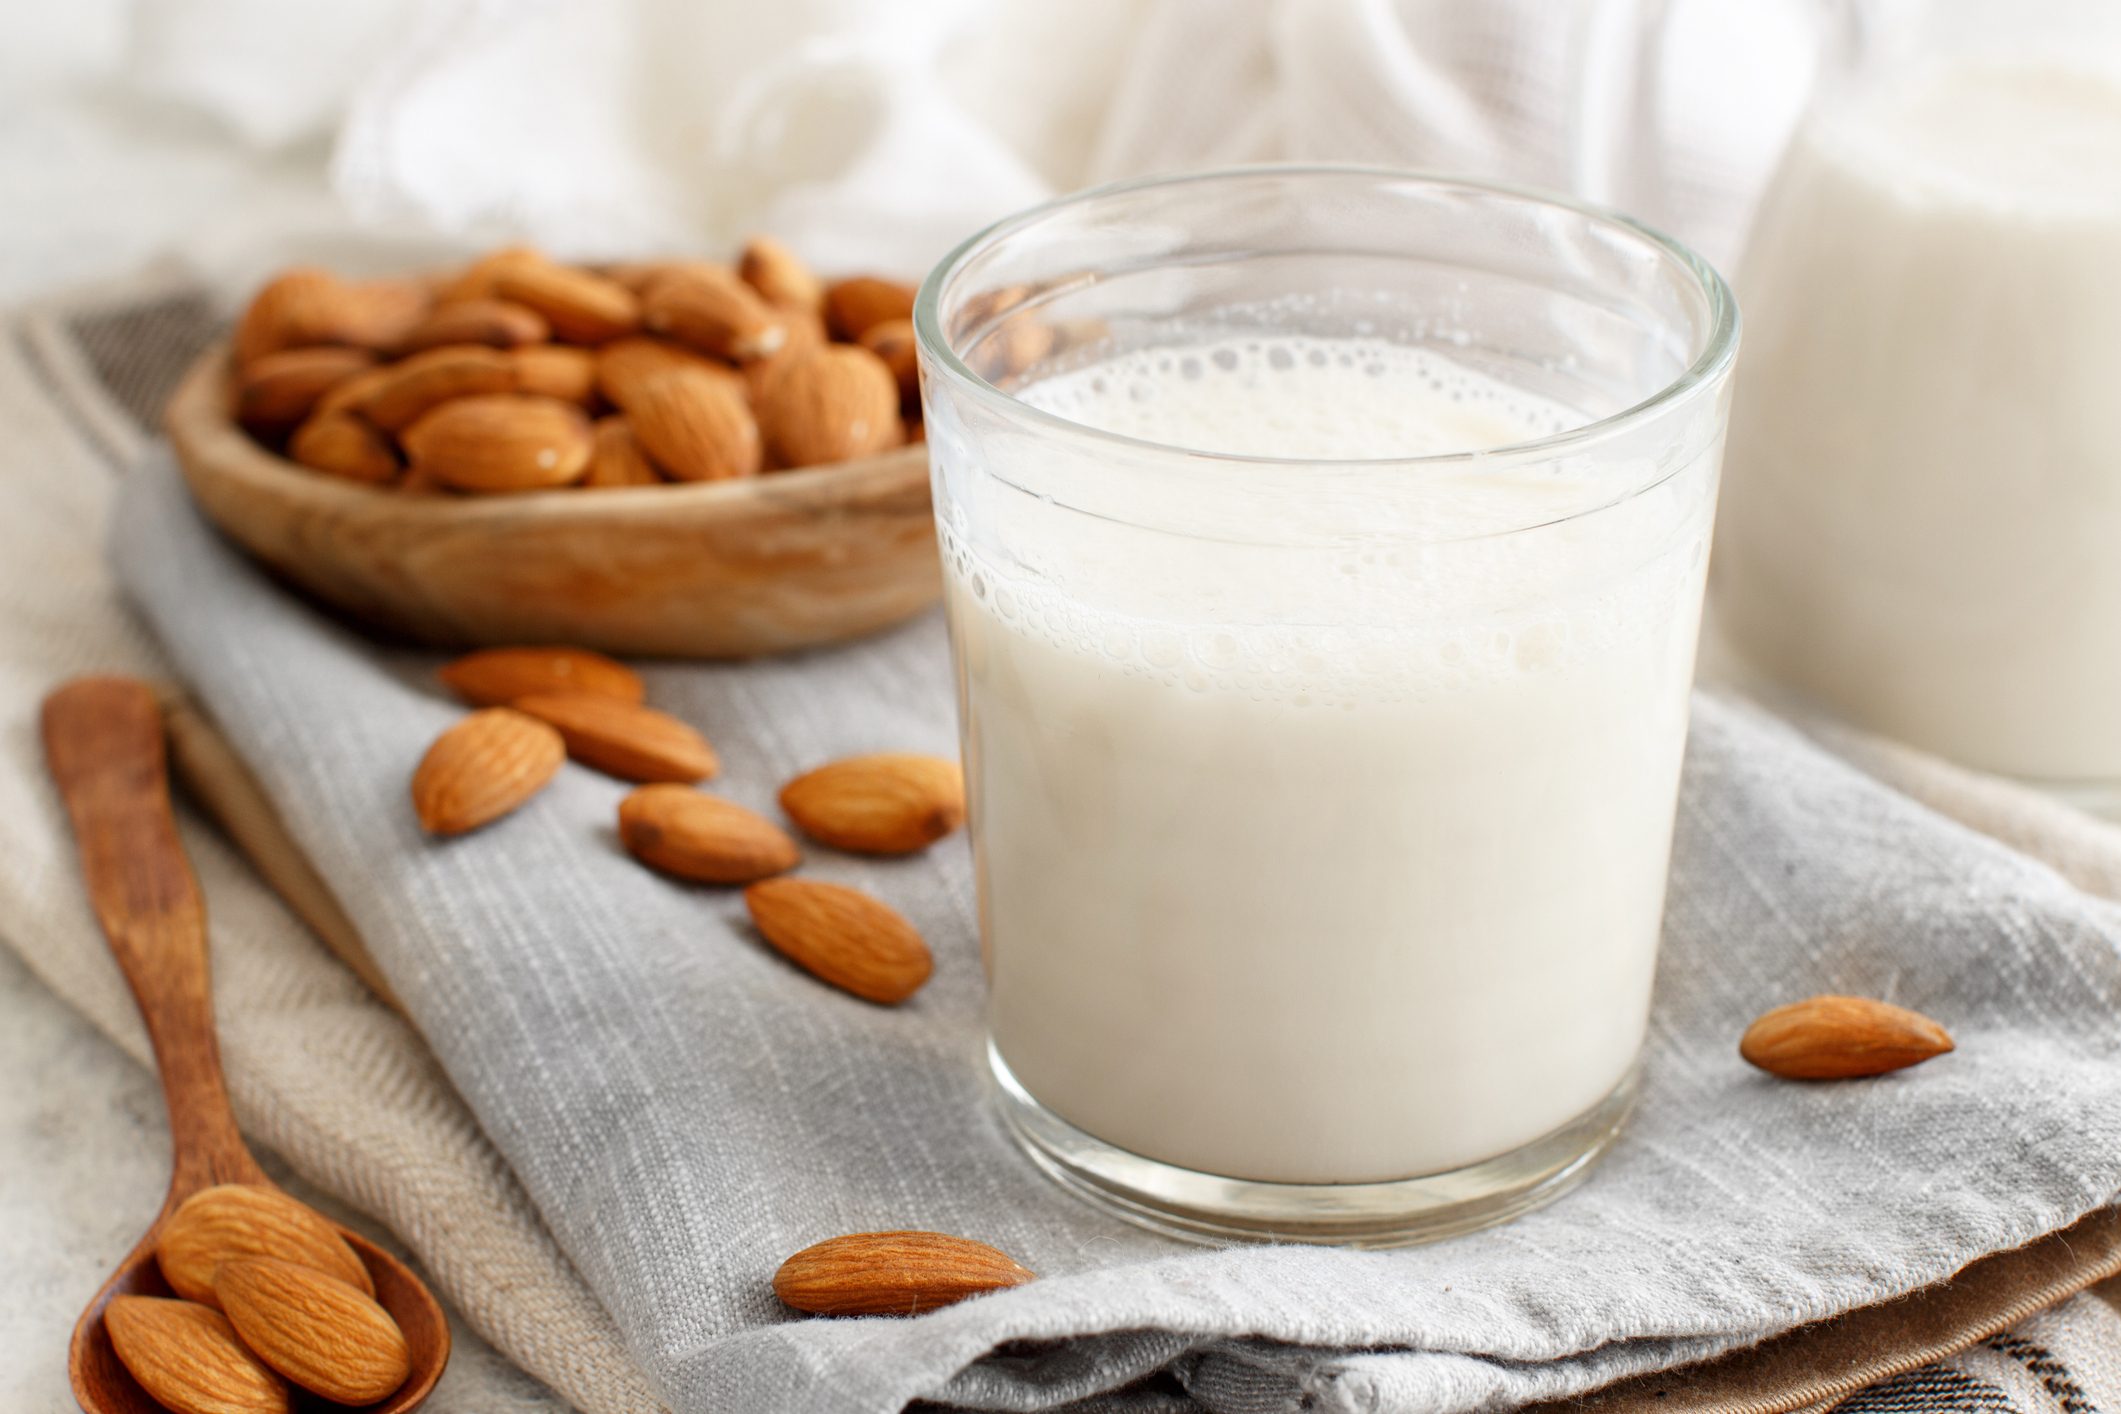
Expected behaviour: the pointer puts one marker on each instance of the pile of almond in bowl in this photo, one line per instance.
(520, 373)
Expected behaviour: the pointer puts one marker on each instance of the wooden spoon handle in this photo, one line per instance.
(103, 742)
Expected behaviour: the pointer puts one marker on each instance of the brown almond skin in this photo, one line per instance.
(853, 305)
(478, 279)
(888, 803)
(624, 739)
(189, 1360)
(834, 404)
(345, 445)
(557, 371)
(806, 335)
(406, 391)
(892, 1274)
(618, 460)
(277, 390)
(496, 323)
(695, 427)
(298, 308)
(1841, 1038)
(482, 768)
(702, 837)
(842, 936)
(710, 310)
(779, 276)
(236, 1220)
(892, 341)
(502, 442)
(496, 677)
(625, 365)
(582, 308)
(321, 1334)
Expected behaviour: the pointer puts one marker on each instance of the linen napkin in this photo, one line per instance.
(685, 1109)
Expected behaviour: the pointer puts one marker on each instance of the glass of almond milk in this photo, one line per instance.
(1324, 554)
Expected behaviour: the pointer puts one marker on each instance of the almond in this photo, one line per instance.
(556, 371)
(806, 334)
(694, 427)
(382, 312)
(319, 1333)
(702, 837)
(851, 306)
(833, 404)
(710, 310)
(890, 803)
(349, 394)
(297, 309)
(781, 279)
(618, 459)
(1019, 344)
(892, 1274)
(476, 280)
(624, 365)
(407, 391)
(344, 445)
(581, 308)
(233, 1220)
(188, 1359)
(842, 936)
(277, 390)
(496, 677)
(496, 323)
(623, 739)
(482, 768)
(892, 341)
(501, 442)
(1836, 1038)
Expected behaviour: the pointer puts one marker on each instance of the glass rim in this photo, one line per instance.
(1719, 346)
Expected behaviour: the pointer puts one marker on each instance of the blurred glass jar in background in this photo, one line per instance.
(1921, 523)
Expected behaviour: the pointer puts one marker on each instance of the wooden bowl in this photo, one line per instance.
(726, 569)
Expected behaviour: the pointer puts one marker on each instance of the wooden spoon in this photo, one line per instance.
(103, 742)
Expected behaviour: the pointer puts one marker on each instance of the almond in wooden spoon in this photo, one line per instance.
(501, 442)
(188, 1358)
(496, 677)
(853, 305)
(842, 936)
(889, 803)
(833, 404)
(624, 739)
(234, 1221)
(320, 1333)
(1839, 1038)
(694, 425)
(482, 768)
(702, 837)
(892, 1274)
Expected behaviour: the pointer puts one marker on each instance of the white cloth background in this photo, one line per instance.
(871, 134)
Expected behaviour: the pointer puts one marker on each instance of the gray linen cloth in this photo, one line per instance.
(686, 1109)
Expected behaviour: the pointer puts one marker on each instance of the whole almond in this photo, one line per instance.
(277, 390)
(779, 276)
(842, 936)
(482, 768)
(188, 1358)
(618, 459)
(892, 341)
(501, 442)
(235, 1220)
(625, 365)
(702, 837)
(710, 310)
(1838, 1038)
(349, 394)
(297, 309)
(892, 1274)
(496, 677)
(889, 803)
(836, 403)
(852, 305)
(406, 391)
(695, 427)
(623, 739)
(496, 323)
(321, 1334)
(581, 308)
(477, 280)
(806, 334)
(344, 445)
(557, 371)
(382, 312)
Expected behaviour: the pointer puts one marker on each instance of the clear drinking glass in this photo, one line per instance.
(1321, 794)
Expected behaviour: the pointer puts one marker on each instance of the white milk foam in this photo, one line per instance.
(1333, 862)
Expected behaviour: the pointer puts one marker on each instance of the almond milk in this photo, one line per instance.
(1312, 857)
